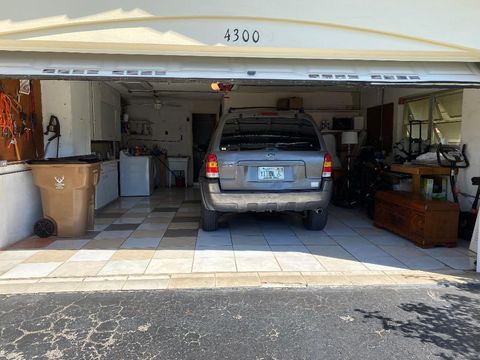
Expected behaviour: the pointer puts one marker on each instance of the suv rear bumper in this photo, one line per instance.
(230, 201)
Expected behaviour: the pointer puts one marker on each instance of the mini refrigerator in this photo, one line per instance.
(136, 175)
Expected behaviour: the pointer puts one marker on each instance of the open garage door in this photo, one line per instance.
(102, 66)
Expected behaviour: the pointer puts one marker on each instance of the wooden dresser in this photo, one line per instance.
(425, 222)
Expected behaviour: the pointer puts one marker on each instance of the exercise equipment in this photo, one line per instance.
(455, 158)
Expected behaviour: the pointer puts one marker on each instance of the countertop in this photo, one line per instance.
(110, 161)
(13, 168)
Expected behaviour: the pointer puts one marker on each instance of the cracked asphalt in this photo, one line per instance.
(323, 323)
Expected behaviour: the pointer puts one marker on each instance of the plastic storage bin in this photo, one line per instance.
(67, 187)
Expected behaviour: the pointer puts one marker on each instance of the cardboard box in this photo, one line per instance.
(283, 104)
(434, 188)
(293, 103)
(296, 103)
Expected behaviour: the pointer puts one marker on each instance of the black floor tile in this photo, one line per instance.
(109, 215)
(180, 232)
(183, 219)
(166, 209)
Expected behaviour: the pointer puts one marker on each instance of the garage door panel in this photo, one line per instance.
(96, 66)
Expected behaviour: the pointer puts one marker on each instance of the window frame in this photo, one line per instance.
(433, 124)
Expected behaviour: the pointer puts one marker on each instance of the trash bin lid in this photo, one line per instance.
(82, 159)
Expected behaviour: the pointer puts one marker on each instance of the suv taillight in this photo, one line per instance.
(327, 166)
(211, 166)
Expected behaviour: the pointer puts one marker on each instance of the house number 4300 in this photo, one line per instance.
(234, 35)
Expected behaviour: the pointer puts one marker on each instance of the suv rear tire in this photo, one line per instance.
(315, 220)
(209, 219)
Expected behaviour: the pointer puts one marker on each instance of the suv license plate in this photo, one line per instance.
(271, 173)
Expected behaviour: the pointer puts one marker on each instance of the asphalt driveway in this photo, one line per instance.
(324, 323)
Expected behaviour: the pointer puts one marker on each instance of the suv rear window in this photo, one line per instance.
(257, 133)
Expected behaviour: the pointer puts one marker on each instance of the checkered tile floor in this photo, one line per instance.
(160, 235)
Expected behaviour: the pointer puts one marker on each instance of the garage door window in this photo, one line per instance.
(435, 117)
(254, 133)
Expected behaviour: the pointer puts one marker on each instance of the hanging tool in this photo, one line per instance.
(53, 127)
(8, 125)
(25, 130)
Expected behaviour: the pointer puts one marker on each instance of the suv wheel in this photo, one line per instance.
(315, 220)
(209, 219)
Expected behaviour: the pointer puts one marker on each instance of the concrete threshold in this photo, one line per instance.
(239, 280)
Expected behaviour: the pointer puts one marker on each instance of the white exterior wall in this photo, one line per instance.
(320, 29)
(21, 205)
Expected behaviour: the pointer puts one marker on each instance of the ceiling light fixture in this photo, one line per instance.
(218, 86)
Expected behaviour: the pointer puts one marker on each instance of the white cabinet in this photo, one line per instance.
(106, 110)
(70, 101)
(107, 188)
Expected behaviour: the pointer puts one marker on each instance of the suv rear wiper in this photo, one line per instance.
(302, 144)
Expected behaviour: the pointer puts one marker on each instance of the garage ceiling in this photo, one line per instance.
(202, 89)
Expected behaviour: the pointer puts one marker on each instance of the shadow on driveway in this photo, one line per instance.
(452, 325)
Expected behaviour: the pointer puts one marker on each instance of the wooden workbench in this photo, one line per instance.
(417, 171)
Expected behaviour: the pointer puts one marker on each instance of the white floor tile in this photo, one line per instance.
(317, 240)
(458, 262)
(213, 242)
(402, 252)
(222, 233)
(174, 254)
(31, 270)
(334, 264)
(15, 254)
(338, 228)
(366, 252)
(330, 252)
(170, 266)
(289, 250)
(6, 265)
(351, 241)
(220, 251)
(216, 264)
(384, 263)
(423, 263)
(283, 240)
(124, 267)
(92, 255)
(386, 240)
(262, 248)
(256, 263)
(305, 262)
